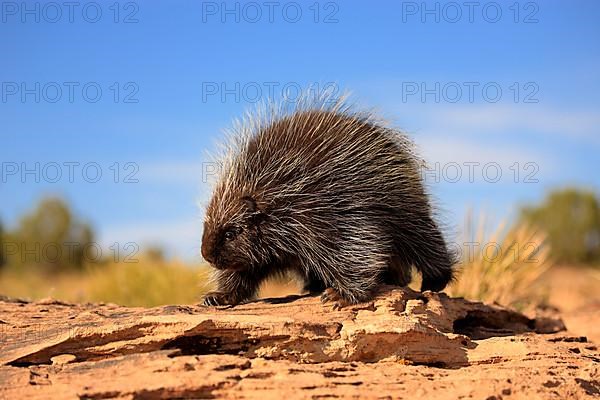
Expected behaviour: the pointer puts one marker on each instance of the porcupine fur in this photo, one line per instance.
(332, 194)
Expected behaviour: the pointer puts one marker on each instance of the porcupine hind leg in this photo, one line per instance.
(430, 255)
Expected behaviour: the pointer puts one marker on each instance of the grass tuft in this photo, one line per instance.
(503, 267)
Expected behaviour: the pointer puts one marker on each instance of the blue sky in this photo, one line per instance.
(479, 92)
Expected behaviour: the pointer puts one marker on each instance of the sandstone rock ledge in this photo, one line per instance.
(402, 344)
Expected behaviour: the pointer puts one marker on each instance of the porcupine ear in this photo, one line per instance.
(250, 203)
(256, 215)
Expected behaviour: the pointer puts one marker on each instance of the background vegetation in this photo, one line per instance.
(571, 220)
(52, 253)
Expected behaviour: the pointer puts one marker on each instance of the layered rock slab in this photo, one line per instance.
(403, 343)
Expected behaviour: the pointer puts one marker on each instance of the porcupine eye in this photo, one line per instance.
(229, 235)
(232, 233)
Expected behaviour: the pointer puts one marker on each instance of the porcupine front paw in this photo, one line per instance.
(219, 299)
(334, 296)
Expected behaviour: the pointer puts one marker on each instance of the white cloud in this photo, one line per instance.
(493, 118)
(503, 134)
(468, 161)
(437, 148)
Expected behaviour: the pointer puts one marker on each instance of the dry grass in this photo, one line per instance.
(148, 284)
(503, 267)
(145, 283)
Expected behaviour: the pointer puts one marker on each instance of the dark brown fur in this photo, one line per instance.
(331, 194)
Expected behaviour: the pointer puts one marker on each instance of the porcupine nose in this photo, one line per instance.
(207, 255)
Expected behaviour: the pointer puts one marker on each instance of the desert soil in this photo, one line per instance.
(403, 344)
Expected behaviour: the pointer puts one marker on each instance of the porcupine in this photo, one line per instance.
(332, 194)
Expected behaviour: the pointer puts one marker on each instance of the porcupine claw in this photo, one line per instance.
(332, 295)
(217, 299)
